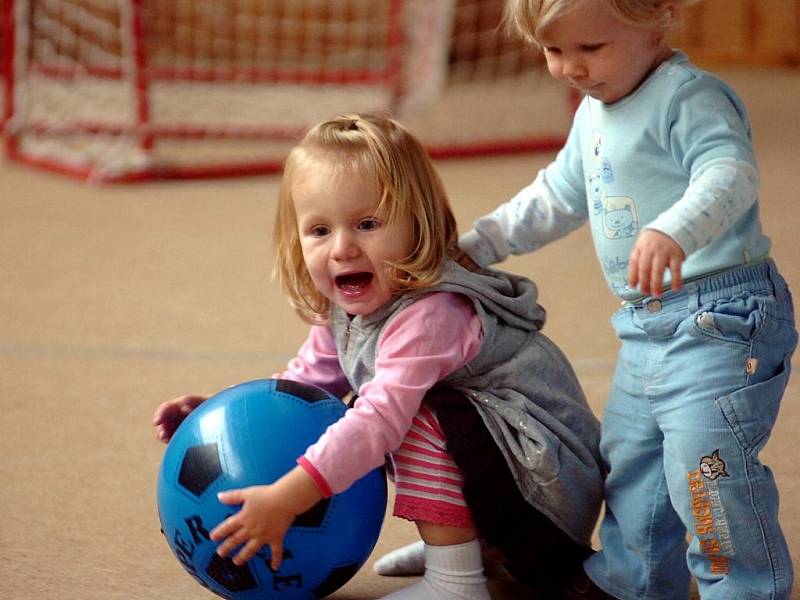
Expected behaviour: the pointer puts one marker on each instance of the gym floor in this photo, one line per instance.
(116, 298)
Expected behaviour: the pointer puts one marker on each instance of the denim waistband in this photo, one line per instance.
(760, 278)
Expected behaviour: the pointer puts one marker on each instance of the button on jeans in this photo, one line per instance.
(695, 395)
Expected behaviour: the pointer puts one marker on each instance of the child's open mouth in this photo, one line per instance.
(353, 283)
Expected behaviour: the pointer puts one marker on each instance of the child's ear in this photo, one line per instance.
(667, 21)
(669, 11)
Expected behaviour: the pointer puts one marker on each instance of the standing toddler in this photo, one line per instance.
(659, 162)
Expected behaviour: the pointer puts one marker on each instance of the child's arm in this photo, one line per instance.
(547, 209)
(531, 219)
(709, 134)
(267, 510)
(718, 196)
(317, 363)
(390, 402)
(267, 513)
(420, 345)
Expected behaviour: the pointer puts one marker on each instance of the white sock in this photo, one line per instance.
(451, 573)
(410, 560)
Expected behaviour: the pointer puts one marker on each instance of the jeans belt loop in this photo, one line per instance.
(694, 298)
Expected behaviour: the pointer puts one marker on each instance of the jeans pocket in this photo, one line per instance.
(738, 320)
(751, 411)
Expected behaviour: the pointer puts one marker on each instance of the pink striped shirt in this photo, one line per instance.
(420, 346)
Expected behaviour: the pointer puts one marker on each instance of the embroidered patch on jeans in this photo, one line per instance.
(713, 466)
(711, 522)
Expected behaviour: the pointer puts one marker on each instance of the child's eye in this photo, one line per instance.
(591, 47)
(369, 224)
(319, 230)
(552, 50)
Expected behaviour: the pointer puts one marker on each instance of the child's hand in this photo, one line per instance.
(267, 513)
(172, 413)
(653, 253)
(263, 520)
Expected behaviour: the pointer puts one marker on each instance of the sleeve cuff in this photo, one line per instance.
(316, 476)
(470, 242)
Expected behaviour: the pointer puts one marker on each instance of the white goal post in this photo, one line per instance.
(126, 90)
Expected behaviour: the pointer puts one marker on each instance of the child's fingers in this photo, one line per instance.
(164, 418)
(159, 415)
(644, 277)
(231, 497)
(247, 552)
(633, 269)
(165, 424)
(657, 274)
(675, 270)
(237, 538)
(174, 409)
(225, 529)
(277, 555)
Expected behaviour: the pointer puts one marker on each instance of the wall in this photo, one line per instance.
(742, 32)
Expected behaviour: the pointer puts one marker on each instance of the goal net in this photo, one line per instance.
(123, 90)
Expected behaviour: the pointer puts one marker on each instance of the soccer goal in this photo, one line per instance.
(126, 90)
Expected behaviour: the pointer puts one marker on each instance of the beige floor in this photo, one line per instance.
(116, 298)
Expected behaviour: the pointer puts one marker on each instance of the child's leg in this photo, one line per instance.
(726, 496)
(453, 566)
(710, 367)
(631, 564)
(533, 549)
(409, 560)
(537, 552)
(428, 491)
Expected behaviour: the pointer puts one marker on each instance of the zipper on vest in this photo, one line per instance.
(346, 336)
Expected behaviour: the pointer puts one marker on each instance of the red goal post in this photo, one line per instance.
(126, 90)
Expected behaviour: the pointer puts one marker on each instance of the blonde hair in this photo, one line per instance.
(409, 187)
(527, 18)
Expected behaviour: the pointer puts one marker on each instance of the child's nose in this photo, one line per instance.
(344, 246)
(574, 68)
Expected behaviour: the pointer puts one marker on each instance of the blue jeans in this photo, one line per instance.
(695, 395)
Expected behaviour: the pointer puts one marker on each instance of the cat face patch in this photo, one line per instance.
(713, 467)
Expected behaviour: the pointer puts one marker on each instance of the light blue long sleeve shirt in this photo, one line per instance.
(674, 155)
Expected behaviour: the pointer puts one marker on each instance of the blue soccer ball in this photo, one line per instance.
(252, 434)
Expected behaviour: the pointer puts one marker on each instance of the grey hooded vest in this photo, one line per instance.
(522, 386)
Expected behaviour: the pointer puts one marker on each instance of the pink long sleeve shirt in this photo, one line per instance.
(422, 344)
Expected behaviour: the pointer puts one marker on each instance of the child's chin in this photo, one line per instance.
(355, 308)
